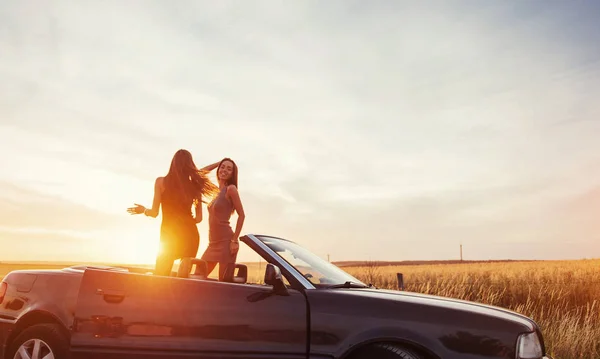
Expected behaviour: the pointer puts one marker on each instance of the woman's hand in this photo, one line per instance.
(234, 246)
(138, 209)
(210, 167)
(156, 201)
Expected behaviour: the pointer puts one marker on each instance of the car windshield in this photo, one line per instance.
(318, 271)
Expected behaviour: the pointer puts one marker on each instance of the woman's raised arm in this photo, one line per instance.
(210, 167)
(151, 212)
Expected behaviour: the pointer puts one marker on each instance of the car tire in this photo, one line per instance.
(48, 337)
(385, 351)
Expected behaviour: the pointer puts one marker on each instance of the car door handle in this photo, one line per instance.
(111, 295)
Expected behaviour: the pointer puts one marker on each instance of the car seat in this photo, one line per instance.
(185, 268)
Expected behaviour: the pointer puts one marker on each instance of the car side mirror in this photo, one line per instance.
(274, 278)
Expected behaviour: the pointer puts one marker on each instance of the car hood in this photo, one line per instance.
(444, 302)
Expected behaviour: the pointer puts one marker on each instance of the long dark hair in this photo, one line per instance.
(185, 179)
(234, 175)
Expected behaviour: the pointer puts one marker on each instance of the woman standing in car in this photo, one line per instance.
(223, 242)
(178, 192)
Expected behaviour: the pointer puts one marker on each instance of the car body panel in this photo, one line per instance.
(342, 319)
(6, 329)
(55, 294)
(33, 294)
(127, 312)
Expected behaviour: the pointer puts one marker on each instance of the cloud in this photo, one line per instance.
(408, 126)
(493, 223)
(22, 246)
(25, 208)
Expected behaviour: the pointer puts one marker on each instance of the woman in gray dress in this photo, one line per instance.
(223, 241)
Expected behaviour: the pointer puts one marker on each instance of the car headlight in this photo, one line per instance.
(529, 346)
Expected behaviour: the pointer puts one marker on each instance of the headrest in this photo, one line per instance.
(186, 265)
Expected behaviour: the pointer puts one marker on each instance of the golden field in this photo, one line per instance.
(563, 297)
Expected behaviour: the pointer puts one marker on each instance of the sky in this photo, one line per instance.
(377, 130)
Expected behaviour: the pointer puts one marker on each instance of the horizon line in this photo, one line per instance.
(344, 262)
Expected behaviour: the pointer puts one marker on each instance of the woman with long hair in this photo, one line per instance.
(223, 241)
(183, 188)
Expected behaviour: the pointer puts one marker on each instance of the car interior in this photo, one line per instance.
(195, 268)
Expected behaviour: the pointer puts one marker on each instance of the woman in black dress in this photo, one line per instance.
(182, 189)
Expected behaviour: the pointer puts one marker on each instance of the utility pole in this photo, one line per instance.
(328, 258)
(461, 257)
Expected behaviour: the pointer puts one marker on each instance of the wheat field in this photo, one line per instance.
(563, 297)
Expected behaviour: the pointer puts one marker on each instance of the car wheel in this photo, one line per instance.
(385, 351)
(40, 341)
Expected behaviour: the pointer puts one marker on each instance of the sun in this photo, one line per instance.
(137, 246)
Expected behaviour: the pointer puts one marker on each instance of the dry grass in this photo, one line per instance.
(563, 297)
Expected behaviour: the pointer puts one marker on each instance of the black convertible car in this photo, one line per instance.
(306, 308)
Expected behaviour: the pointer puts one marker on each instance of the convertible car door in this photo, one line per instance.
(127, 315)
